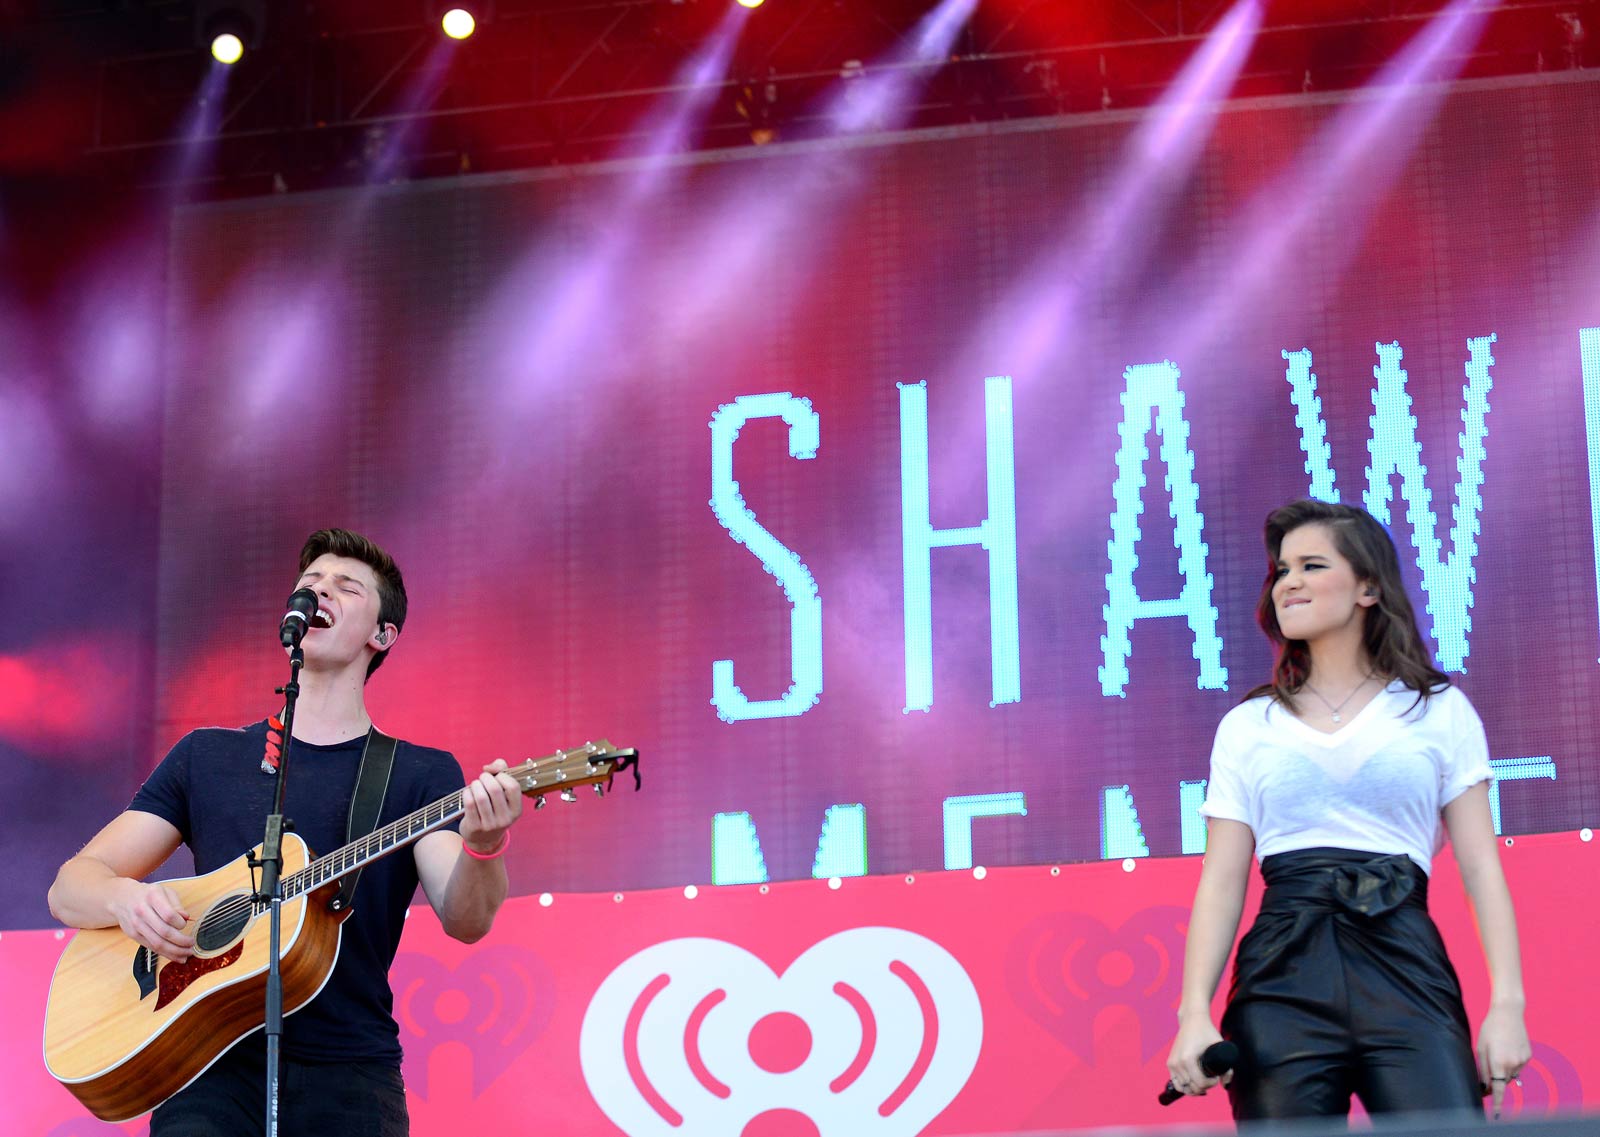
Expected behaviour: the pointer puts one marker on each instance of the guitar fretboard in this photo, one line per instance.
(591, 763)
(378, 843)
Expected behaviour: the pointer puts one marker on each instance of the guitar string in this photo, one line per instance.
(367, 847)
(363, 849)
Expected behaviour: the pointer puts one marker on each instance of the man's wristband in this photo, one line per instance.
(499, 849)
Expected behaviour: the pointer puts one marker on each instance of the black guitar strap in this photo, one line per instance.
(372, 782)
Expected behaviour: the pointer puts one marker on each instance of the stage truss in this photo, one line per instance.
(547, 83)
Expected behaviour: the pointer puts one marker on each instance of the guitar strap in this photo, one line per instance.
(372, 782)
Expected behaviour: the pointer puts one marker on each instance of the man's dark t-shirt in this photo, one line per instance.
(212, 789)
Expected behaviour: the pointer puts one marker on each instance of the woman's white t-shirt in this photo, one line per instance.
(1377, 784)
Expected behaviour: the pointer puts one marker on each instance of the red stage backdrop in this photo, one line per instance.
(1029, 998)
(900, 498)
(653, 445)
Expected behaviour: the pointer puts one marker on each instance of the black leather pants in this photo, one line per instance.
(1342, 986)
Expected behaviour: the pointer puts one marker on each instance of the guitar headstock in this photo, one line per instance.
(592, 764)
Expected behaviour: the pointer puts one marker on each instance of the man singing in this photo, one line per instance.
(340, 1056)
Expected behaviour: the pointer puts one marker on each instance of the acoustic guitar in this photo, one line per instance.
(125, 1029)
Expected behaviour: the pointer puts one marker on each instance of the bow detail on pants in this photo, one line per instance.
(1376, 886)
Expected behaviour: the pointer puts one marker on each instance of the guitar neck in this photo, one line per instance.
(593, 763)
(379, 843)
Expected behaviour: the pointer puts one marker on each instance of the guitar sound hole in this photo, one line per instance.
(222, 925)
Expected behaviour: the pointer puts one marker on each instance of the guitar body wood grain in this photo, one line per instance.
(122, 1051)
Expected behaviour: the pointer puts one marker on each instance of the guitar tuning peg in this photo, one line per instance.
(569, 794)
(538, 802)
(599, 789)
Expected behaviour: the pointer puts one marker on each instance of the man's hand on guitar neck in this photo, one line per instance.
(153, 915)
(493, 802)
(464, 875)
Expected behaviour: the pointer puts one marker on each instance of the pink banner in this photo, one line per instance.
(941, 1003)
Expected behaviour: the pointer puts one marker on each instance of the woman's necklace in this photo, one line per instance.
(1333, 710)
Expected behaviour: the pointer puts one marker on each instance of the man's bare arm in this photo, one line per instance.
(103, 885)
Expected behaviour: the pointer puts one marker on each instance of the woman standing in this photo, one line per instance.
(1343, 775)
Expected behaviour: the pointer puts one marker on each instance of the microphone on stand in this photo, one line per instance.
(303, 605)
(1215, 1061)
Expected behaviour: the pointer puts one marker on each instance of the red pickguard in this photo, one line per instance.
(174, 978)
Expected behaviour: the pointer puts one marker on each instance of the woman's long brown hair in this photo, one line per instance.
(1389, 634)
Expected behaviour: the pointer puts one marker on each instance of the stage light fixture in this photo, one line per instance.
(227, 48)
(750, 3)
(459, 19)
(228, 31)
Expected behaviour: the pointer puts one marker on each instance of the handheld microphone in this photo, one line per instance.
(303, 605)
(1215, 1061)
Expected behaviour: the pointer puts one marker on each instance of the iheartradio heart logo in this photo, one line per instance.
(89, 1127)
(1550, 1083)
(1066, 967)
(870, 1033)
(496, 1002)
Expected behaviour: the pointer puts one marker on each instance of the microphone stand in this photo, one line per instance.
(270, 892)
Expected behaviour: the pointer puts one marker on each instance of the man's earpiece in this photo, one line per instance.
(383, 634)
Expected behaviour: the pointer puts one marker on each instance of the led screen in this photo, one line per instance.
(900, 497)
